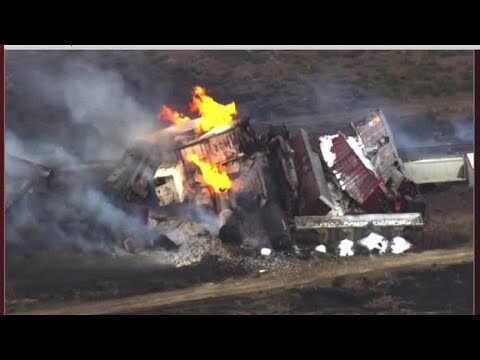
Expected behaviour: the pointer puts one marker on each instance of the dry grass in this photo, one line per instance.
(284, 83)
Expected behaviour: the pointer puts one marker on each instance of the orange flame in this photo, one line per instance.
(171, 115)
(214, 175)
(212, 113)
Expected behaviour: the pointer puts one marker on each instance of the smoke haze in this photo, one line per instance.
(61, 116)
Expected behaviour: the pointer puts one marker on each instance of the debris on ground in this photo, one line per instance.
(374, 242)
(265, 251)
(192, 242)
(321, 248)
(345, 248)
(399, 245)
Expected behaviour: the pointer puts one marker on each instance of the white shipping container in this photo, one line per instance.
(439, 170)
(470, 166)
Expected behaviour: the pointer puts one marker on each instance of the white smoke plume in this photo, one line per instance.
(96, 99)
(94, 117)
(426, 131)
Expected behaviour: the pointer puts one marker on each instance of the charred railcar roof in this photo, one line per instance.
(354, 177)
(221, 145)
(380, 148)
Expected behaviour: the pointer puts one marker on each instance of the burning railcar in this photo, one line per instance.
(238, 170)
(229, 170)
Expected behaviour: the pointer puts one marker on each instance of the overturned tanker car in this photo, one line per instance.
(254, 175)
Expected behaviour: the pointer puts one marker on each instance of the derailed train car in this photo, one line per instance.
(366, 177)
(282, 181)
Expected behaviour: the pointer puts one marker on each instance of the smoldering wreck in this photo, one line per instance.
(255, 178)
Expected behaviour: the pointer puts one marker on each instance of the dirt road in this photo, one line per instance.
(315, 275)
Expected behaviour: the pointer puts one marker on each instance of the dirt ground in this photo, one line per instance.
(437, 279)
(420, 291)
(387, 282)
(321, 91)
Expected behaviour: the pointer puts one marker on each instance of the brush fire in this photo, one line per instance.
(251, 174)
